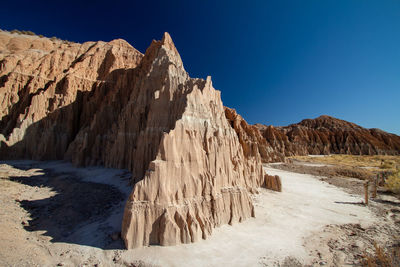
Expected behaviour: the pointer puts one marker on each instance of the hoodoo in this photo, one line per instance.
(107, 104)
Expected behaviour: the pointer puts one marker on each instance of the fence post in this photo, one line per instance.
(366, 191)
(374, 187)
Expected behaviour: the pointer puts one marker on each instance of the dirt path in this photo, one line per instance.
(283, 222)
(289, 224)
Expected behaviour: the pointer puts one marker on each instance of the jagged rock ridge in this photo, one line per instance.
(327, 135)
(106, 103)
(253, 142)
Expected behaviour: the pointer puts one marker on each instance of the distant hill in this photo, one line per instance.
(329, 135)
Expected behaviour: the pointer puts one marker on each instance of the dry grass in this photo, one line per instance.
(380, 258)
(329, 171)
(393, 182)
(378, 162)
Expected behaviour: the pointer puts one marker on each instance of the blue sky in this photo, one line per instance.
(276, 62)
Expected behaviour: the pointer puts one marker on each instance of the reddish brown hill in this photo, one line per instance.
(328, 135)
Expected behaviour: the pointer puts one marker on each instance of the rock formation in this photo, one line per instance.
(273, 182)
(44, 84)
(327, 135)
(253, 142)
(107, 104)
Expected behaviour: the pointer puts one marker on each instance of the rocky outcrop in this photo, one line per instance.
(327, 135)
(107, 104)
(250, 137)
(44, 86)
(200, 177)
(273, 182)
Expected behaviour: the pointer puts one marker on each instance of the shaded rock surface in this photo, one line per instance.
(327, 135)
(107, 104)
(45, 90)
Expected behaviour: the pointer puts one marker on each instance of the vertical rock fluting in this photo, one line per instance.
(199, 179)
(252, 140)
(107, 104)
(43, 83)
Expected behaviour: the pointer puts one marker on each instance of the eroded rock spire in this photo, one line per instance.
(107, 104)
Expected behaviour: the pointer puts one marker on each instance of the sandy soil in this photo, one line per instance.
(54, 214)
(283, 221)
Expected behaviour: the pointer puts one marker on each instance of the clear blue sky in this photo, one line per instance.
(276, 62)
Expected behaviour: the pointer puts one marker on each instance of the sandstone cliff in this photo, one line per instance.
(253, 142)
(327, 135)
(43, 86)
(107, 104)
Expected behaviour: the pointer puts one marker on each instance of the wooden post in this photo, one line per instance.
(374, 187)
(381, 179)
(366, 191)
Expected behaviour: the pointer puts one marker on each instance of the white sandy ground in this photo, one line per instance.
(283, 222)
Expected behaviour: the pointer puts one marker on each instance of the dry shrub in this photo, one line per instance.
(353, 172)
(28, 32)
(385, 162)
(382, 259)
(23, 32)
(393, 182)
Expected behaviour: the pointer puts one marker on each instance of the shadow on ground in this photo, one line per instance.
(77, 213)
(359, 203)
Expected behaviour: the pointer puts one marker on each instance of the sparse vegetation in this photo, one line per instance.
(382, 259)
(361, 167)
(393, 182)
(23, 32)
(377, 162)
(15, 31)
(329, 171)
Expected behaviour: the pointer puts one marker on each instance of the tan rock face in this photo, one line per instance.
(105, 103)
(273, 182)
(43, 84)
(199, 178)
(326, 135)
(252, 140)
